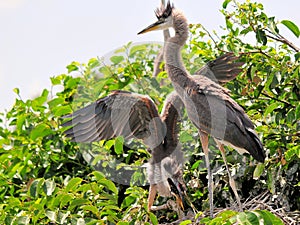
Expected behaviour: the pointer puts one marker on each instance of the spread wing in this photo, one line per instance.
(223, 69)
(119, 114)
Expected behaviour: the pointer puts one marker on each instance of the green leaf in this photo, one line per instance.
(72, 82)
(74, 66)
(55, 80)
(78, 202)
(186, 222)
(258, 91)
(271, 108)
(119, 145)
(196, 164)
(269, 81)
(73, 184)
(91, 208)
(62, 110)
(153, 218)
(56, 102)
(40, 131)
(261, 37)
(252, 218)
(35, 187)
(185, 137)
(98, 175)
(229, 24)
(259, 169)
(49, 187)
(16, 90)
(109, 144)
(137, 48)
(291, 152)
(225, 3)
(109, 185)
(297, 56)
(269, 218)
(13, 203)
(116, 59)
(20, 121)
(123, 223)
(51, 215)
(64, 199)
(93, 63)
(291, 26)
(62, 217)
(129, 200)
(246, 31)
(39, 101)
(20, 220)
(105, 70)
(246, 218)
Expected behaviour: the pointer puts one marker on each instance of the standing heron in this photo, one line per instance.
(209, 106)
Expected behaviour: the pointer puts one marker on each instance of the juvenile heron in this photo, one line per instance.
(208, 105)
(133, 115)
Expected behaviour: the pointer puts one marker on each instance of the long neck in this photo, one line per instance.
(174, 65)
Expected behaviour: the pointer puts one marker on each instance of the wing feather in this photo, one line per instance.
(222, 69)
(213, 111)
(119, 114)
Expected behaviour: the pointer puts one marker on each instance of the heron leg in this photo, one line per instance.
(204, 143)
(231, 180)
(151, 196)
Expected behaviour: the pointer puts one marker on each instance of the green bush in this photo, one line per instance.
(45, 178)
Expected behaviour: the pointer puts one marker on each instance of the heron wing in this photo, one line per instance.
(215, 104)
(212, 110)
(223, 69)
(119, 114)
(220, 70)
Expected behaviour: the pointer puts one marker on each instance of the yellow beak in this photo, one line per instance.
(154, 26)
(177, 192)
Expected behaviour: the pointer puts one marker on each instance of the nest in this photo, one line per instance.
(259, 202)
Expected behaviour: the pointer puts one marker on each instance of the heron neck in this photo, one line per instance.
(174, 65)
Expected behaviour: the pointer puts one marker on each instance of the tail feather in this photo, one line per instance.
(256, 148)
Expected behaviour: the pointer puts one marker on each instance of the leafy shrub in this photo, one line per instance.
(46, 179)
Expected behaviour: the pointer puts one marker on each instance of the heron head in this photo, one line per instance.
(164, 19)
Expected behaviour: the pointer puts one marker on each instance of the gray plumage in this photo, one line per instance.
(133, 115)
(208, 105)
(203, 98)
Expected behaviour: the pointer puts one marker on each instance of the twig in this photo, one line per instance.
(276, 99)
(283, 40)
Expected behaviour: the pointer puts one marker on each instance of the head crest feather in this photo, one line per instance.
(164, 13)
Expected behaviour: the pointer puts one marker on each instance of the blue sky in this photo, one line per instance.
(40, 37)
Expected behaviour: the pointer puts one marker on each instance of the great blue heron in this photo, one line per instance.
(135, 116)
(208, 105)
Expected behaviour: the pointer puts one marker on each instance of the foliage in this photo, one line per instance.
(46, 179)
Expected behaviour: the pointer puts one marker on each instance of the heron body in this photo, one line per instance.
(133, 115)
(208, 105)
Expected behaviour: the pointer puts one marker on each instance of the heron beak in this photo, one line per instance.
(158, 25)
(177, 191)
